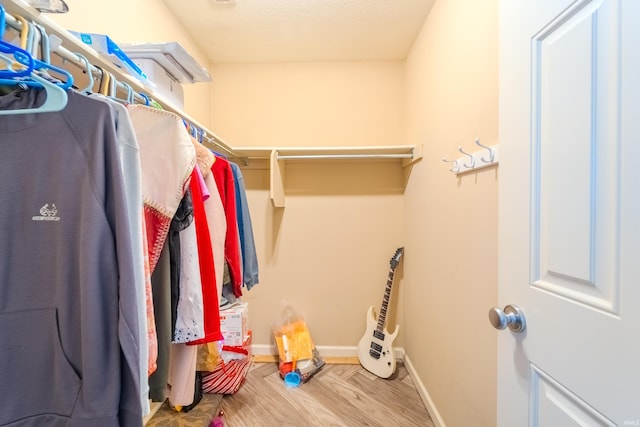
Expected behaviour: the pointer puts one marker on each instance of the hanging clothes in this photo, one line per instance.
(167, 157)
(205, 256)
(245, 231)
(185, 265)
(167, 160)
(217, 223)
(68, 303)
(223, 176)
(91, 192)
(132, 176)
(161, 285)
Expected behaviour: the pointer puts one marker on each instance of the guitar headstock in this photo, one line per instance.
(395, 259)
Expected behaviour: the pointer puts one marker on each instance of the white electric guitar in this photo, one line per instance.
(375, 348)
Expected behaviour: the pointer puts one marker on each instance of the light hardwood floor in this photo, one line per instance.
(337, 395)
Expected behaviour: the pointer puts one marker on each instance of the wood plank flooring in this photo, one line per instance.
(337, 395)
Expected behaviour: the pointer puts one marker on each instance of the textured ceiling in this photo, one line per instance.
(241, 31)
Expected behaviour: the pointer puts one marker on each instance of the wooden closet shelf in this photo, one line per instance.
(69, 48)
(409, 153)
(405, 155)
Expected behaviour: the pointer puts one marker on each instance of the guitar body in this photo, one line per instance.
(375, 350)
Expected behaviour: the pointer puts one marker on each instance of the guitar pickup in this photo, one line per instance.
(379, 335)
(377, 347)
(374, 354)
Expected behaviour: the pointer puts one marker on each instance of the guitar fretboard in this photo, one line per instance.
(382, 317)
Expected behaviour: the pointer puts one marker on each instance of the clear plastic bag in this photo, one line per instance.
(298, 357)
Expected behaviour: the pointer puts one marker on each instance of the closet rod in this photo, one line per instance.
(65, 54)
(345, 156)
(214, 145)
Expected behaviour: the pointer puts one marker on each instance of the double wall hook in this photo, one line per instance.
(454, 167)
(472, 160)
(489, 149)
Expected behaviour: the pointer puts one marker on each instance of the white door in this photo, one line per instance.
(570, 212)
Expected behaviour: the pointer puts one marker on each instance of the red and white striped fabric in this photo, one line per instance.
(227, 377)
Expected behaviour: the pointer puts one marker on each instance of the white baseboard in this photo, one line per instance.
(264, 350)
(424, 394)
(324, 350)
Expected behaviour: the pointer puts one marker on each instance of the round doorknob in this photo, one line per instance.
(512, 316)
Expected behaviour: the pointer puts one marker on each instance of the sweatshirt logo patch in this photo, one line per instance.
(47, 213)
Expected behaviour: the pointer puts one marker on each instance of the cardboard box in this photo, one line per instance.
(234, 324)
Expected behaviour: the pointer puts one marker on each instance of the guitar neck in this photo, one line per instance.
(382, 316)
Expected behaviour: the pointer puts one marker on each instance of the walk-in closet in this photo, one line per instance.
(222, 209)
(339, 146)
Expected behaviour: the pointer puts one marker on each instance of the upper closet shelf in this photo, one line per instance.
(408, 154)
(405, 155)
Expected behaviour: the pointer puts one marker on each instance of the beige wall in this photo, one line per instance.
(309, 104)
(140, 21)
(327, 252)
(450, 271)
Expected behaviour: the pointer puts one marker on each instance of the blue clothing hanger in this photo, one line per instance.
(23, 57)
(20, 56)
(56, 96)
(43, 66)
(3, 21)
(147, 101)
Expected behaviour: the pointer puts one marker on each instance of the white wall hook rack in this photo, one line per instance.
(487, 156)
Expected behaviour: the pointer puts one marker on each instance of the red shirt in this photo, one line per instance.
(223, 176)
